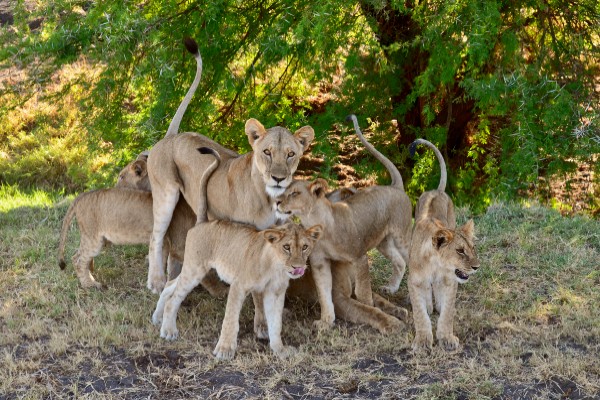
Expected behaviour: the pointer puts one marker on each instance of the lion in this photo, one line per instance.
(441, 257)
(250, 261)
(242, 189)
(121, 215)
(374, 217)
(135, 176)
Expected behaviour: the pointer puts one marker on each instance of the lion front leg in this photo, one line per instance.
(418, 298)
(273, 302)
(445, 298)
(323, 280)
(227, 344)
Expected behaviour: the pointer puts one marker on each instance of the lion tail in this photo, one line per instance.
(444, 174)
(63, 233)
(203, 206)
(192, 47)
(393, 171)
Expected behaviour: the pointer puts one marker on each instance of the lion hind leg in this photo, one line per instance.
(183, 285)
(354, 311)
(83, 261)
(362, 281)
(164, 202)
(389, 248)
(387, 307)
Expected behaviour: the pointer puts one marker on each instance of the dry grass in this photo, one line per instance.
(529, 324)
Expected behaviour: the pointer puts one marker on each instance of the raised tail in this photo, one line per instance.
(203, 205)
(443, 173)
(63, 234)
(394, 173)
(192, 47)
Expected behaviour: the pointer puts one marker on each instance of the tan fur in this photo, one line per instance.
(124, 216)
(375, 217)
(441, 256)
(240, 190)
(251, 261)
(135, 176)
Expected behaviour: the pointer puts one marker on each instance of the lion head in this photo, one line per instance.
(293, 244)
(277, 153)
(457, 249)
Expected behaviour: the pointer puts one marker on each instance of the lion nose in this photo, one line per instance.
(276, 179)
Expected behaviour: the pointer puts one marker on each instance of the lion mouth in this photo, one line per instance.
(297, 272)
(461, 275)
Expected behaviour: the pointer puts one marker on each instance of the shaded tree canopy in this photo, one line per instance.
(509, 90)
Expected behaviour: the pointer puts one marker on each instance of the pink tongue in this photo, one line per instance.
(298, 271)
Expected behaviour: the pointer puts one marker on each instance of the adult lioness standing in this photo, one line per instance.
(241, 189)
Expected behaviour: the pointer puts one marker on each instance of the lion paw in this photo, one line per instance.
(285, 352)
(169, 333)
(389, 289)
(157, 317)
(322, 325)
(92, 284)
(156, 285)
(261, 331)
(224, 352)
(422, 341)
(449, 343)
(400, 313)
(393, 325)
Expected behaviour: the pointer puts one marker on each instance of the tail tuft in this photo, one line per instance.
(62, 264)
(349, 117)
(191, 46)
(412, 148)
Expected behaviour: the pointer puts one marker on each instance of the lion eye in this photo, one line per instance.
(304, 247)
(291, 154)
(294, 194)
(461, 252)
(267, 152)
(286, 247)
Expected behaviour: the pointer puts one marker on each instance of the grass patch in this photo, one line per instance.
(528, 322)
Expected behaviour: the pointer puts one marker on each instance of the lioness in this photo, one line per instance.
(247, 259)
(378, 216)
(441, 256)
(241, 189)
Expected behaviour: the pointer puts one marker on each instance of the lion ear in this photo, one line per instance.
(315, 232)
(442, 237)
(139, 167)
(143, 156)
(254, 130)
(469, 229)
(305, 136)
(273, 235)
(318, 187)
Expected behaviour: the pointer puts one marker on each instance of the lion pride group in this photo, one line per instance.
(241, 224)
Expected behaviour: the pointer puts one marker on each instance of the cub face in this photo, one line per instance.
(277, 153)
(135, 174)
(300, 197)
(457, 249)
(293, 244)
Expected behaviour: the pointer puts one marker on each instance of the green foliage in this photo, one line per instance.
(507, 90)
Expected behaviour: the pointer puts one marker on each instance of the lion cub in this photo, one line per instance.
(441, 257)
(374, 217)
(122, 215)
(251, 261)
